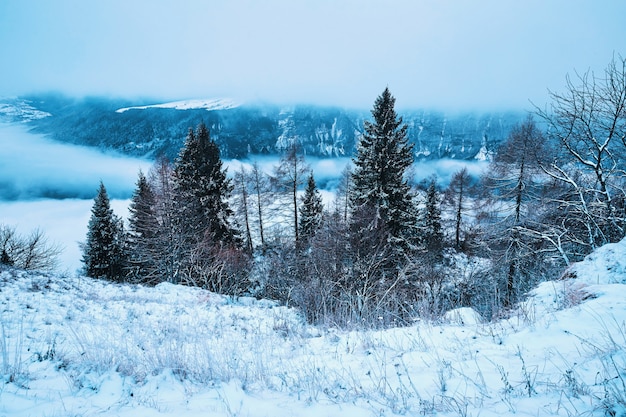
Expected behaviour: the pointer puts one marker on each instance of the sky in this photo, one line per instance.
(449, 54)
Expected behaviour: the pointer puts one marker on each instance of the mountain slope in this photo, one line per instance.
(148, 129)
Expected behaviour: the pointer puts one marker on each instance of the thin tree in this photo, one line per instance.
(243, 206)
(288, 177)
(143, 234)
(169, 247)
(261, 188)
(381, 197)
(516, 181)
(456, 197)
(343, 192)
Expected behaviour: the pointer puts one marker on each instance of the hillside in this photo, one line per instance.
(77, 347)
(148, 129)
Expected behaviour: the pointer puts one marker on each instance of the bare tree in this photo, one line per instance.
(289, 176)
(516, 180)
(31, 252)
(342, 195)
(588, 122)
(456, 198)
(169, 248)
(261, 189)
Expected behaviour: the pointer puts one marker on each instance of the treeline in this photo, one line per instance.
(386, 251)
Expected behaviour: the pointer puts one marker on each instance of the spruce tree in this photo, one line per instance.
(383, 221)
(104, 253)
(432, 237)
(381, 198)
(207, 246)
(311, 211)
(202, 190)
(144, 228)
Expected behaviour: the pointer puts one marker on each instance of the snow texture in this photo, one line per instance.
(208, 104)
(19, 110)
(73, 346)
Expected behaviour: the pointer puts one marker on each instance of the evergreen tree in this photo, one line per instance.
(104, 252)
(143, 231)
(207, 245)
(432, 236)
(381, 198)
(202, 191)
(383, 221)
(311, 210)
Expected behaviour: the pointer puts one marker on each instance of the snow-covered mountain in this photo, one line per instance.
(148, 129)
(13, 109)
(206, 104)
(78, 346)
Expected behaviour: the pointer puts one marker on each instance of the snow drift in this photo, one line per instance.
(77, 346)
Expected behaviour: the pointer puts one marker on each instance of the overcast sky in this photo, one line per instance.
(431, 53)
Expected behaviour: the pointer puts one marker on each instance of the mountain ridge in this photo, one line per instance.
(242, 130)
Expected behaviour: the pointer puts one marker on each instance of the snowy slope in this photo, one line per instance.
(208, 104)
(13, 109)
(76, 346)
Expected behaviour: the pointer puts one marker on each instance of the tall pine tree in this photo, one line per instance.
(381, 198)
(383, 223)
(104, 254)
(208, 246)
(202, 190)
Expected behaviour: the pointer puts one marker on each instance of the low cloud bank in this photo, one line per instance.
(327, 171)
(32, 166)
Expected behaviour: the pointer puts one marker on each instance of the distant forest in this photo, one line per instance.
(261, 129)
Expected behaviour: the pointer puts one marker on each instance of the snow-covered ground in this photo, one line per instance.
(81, 347)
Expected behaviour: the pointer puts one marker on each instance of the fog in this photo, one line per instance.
(32, 166)
(327, 172)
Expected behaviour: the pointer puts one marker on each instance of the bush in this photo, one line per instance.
(31, 252)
